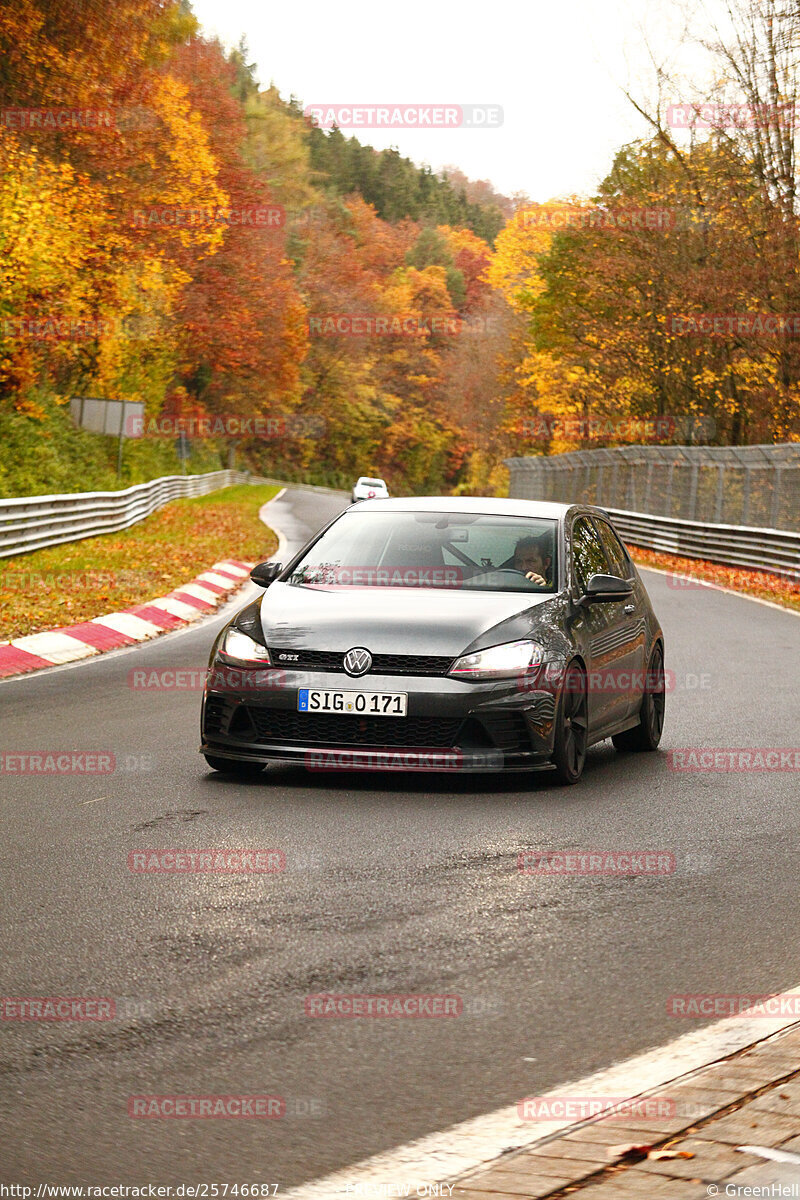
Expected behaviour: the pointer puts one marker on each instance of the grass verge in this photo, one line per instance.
(80, 580)
(761, 584)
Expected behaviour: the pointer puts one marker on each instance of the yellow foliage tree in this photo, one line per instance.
(546, 397)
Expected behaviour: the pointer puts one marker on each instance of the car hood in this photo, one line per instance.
(394, 620)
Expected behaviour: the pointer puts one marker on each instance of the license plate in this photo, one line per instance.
(359, 704)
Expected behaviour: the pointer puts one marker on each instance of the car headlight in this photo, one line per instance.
(244, 649)
(498, 662)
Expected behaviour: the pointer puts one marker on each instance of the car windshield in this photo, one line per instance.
(435, 550)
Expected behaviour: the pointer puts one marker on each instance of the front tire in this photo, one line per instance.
(647, 734)
(572, 726)
(233, 766)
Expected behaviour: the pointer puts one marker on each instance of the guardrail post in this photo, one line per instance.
(121, 434)
(692, 514)
(746, 496)
(720, 493)
(776, 499)
(648, 487)
(630, 488)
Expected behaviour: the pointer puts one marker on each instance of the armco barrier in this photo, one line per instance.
(33, 522)
(732, 545)
(632, 473)
(756, 486)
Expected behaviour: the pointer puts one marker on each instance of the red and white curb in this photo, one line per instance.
(187, 603)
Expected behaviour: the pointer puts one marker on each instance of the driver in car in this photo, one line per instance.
(532, 558)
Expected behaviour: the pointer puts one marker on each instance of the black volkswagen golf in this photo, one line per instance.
(441, 634)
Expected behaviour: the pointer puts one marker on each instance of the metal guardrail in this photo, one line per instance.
(756, 486)
(33, 522)
(603, 477)
(772, 550)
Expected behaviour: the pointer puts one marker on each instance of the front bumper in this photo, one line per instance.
(450, 725)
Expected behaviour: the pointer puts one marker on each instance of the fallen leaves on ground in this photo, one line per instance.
(686, 572)
(635, 1152)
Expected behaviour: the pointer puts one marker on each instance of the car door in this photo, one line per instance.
(633, 610)
(608, 631)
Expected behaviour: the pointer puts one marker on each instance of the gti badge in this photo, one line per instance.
(357, 661)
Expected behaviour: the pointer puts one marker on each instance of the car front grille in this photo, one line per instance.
(226, 718)
(284, 725)
(382, 664)
(310, 660)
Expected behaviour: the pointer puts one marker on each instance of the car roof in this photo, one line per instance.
(491, 505)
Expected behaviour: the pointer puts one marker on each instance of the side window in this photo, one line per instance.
(615, 551)
(588, 555)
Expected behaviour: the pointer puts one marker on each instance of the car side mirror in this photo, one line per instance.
(266, 573)
(605, 589)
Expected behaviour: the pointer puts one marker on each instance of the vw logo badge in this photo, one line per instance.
(357, 661)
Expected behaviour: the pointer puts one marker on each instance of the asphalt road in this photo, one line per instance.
(392, 885)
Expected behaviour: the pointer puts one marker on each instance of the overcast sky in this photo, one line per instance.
(557, 70)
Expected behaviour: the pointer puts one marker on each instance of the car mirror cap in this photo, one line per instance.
(266, 573)
(606, 589)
